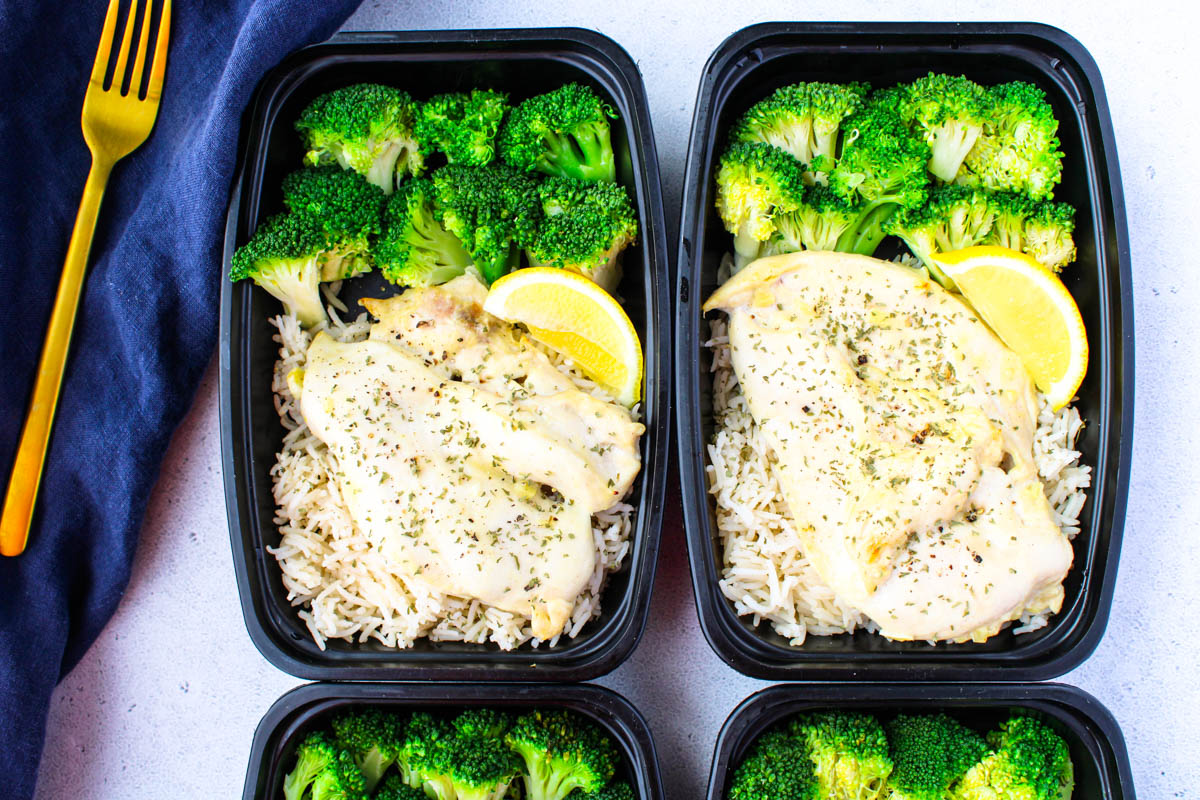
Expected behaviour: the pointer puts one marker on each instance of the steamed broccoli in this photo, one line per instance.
(373, 738)
(756, 183)
(1030, 762)
(617, 790)
(485, 723)
(949, 113)
(461, 125)
(315, 755)
(930, 753)
(1040, 229)
(584, 228)
(394, 788)
(777, 767)
(564, 132)
(849, 752)
(562, 752)
(817, 223)
(954, 218)
(341, 201)
(804, 119)
(494, 212)
(881, 169)
(1019, 148)
(415, 249)
(466, 768)
(365, 127)
(422, 735)
(289, 255)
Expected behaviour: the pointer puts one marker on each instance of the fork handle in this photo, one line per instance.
(26, 473)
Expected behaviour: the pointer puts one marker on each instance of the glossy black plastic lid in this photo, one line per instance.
(1097, 746)
(310, 707)
(745, 68)
(522, 63)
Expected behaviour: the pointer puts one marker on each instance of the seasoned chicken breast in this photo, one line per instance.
(904, 432)
(462, 451)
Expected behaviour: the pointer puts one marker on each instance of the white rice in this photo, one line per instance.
(765, 573)
(341, 582)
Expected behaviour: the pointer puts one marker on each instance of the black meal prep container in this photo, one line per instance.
(310, 707)
(747, 67)
(523, 63)
(1097, 746)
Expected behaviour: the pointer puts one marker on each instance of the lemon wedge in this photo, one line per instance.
(1029, 309)
(575, 317)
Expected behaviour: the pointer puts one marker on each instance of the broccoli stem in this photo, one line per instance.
(864, 236)
(597, 164)
(745, 246)
(383, 169)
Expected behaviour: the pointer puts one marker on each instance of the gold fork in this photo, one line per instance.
(114, 125)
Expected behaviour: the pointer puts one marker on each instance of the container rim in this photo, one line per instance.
(1101, 735)
(613, 640)
(746, 650)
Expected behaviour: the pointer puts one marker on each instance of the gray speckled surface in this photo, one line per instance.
(166, 702)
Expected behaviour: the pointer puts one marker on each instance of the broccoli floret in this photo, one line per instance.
(949, 113)
(288, 256)
(817, 224)
(373, 737)
(562, 752)
(314, 756)
(422, 736)
(954, 218)
(881, 169)
(617, 790)
(1019, 148)
(564, 133)
(1030, 762)
(482, 723)
(1043, 229)
(849, 752)
(494, 212)
(755, 184)
(367, 128)
(584, 228)
(415, 249)
(394, 788)
(804, 119)
(930, 753)
(345, 207)
(777, 767)
(461, 125)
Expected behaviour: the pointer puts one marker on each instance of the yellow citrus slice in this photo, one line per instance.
(575, 317)
(1029, 309)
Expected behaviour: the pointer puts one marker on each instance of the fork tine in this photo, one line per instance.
(104, 49)
(139, 61)
(154, 87)
(123, 56)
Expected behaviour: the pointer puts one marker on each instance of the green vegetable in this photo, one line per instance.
(482, 723)
(394, 788)
(289, 255)
(954, 217)
(564, 132)
(466, 768)
(776, 768)
(415, 249)
(849, 752)
(561, 752)
(323, 772)
(584, 228)
(1019, 148)
(462, 125)
(756, 183)
(617, 790)
(1030, 762)
(373, 738)
(422, 735)
(1040, 229)
(881, 170)
(365, 127)
(493, 211)
(818, 223)
(341, 201)
(804, 119)
(930, 754)
(949, 113)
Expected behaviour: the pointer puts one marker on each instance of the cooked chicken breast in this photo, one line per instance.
(904, 432)
(466, 455)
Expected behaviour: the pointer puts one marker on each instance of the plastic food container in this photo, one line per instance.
(1097, 746)
(522, 62)
(301, 710)
(747, 67)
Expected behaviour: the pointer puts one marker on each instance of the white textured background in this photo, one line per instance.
(166, 702)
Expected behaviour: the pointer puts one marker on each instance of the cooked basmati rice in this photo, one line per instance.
(341, 582)
(765, 573)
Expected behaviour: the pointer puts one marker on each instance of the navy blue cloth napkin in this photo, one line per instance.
(147, 323)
